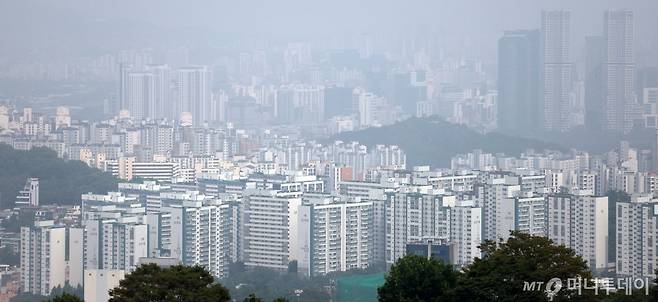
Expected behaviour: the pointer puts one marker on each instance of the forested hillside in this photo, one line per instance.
(60, 181)
(432, 141)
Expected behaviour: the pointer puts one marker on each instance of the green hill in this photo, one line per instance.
(432, 141)
(60, 181)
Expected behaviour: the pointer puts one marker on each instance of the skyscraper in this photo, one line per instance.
(162, 106)
(124, 70)
(619, 70)
(556, 68)
(194, 92)
(300, 104)
(594, 61)
(146, 93)
(140, 95)
(519, 110)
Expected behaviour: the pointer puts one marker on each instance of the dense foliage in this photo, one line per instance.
(498, 276)
(506, 265)
(150, 282)
(416, 278)
(65, 297)
(60, 181)
(252, 298)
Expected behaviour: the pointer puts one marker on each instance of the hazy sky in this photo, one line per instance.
(312, 15)
(482, 21)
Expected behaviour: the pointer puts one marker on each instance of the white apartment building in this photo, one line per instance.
(29, 196)
(115, 243)
(533, 183)
(587, 181)
(130, 140)
(269, 229)
(365, 190)
(127, 168)
(98, 283)
(45, 263)
(370, 108)
(454, 182)
(415, 217)
(146, 193)
(526, 213)
(636, 233)
(335, 235)
(580, 222)
(465, 232)
(489, 197)
(199, 233)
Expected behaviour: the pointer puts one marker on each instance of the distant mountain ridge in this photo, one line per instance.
(433, 141)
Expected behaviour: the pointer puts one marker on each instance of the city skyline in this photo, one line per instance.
(328, 151)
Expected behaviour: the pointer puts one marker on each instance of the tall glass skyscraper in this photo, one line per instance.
(519, 109)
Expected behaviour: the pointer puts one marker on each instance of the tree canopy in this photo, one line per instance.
(501, 273)
(252, 298)
(66, 297)
(150, 282)
(416, 278)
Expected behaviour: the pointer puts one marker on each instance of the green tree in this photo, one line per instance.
(26, 297)
(150, 282)
(638, 295)
(77, 291)
(501, 273)
(622, 296)
(416, 278)
(65, 297)
(252, 298)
